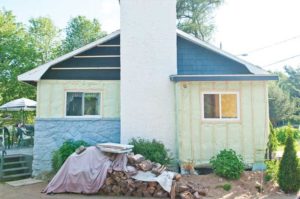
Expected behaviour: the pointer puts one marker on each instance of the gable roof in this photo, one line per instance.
(36, 74)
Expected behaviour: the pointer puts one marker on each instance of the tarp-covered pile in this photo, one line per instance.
(92, 170)
(86, 172)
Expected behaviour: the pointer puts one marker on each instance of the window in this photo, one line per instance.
(83, 104)
(221, 106)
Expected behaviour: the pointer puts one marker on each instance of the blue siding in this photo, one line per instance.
(196, 60)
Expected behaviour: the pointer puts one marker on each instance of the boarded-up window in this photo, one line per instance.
(220, 106)
(83, 104)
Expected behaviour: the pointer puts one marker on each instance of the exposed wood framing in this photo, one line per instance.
(108, 45)
(86, 68)
(96, 56)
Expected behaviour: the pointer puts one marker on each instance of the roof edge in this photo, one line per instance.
(35, 74)
(242, 77)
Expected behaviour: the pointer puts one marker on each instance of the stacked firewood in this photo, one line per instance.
(119, 183)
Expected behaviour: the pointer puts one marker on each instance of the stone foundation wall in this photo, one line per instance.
(51, 133)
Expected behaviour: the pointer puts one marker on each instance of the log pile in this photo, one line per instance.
(119, 183)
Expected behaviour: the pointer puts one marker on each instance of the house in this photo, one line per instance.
(150, 80)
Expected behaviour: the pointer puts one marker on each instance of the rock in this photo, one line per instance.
(145, 165)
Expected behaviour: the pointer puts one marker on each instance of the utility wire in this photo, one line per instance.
(271, 45)
(282, 60)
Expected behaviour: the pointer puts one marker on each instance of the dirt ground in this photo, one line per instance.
(34, 192)
(245, 187)
(241, 189)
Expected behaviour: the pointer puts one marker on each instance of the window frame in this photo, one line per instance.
(220, 119)
(83, 101)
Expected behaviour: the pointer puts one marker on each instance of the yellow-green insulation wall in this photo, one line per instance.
(199, 140)
(51, 95)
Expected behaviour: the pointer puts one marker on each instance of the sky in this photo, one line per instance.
(242, 26)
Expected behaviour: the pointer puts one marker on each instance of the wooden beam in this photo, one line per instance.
(96, 56)
(87, 68)
(100, 45)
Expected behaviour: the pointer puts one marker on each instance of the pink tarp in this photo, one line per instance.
(86, 172)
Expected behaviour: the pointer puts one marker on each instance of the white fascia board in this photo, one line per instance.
(251, 67)
(36, 73)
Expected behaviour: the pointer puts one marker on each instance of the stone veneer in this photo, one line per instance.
(51, 133)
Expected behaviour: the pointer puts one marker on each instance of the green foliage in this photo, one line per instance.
(272, 141)
(45, 37)
(151, 150)
(81, 31)
(228, 164)
(283, 132)
(59, 156)
(195, 17)
(272, 170)
(17, 55)
(227, 187)
(280, 105)
(289, 173)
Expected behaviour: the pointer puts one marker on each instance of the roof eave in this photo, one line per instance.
(179, 78)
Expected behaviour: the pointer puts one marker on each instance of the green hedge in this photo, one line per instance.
(152, 150)
(59, 156)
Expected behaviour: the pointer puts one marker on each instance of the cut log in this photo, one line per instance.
(135, 159)
(145, 165)
(186, 195)
(173, 190)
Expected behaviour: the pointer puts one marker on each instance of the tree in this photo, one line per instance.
(289, 173)
(45, 38)
(280, 106)
(272, 142)
(81, 31)
(17, 56)
(195, 17)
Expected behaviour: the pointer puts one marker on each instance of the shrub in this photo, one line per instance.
(272, 142)
(151, 150)
(289, 174)
(59, 156)
(228, 164)
(282, 133)
(272, 170)
(227, 187)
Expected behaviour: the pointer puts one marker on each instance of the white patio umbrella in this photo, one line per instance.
(22, 104)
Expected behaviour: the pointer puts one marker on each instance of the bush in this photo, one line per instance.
(282, 133)
(272, 170)
(151, 150)
(227, 187)
(59, 156)
(289, 173)
(272, 141)
(228, 164)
